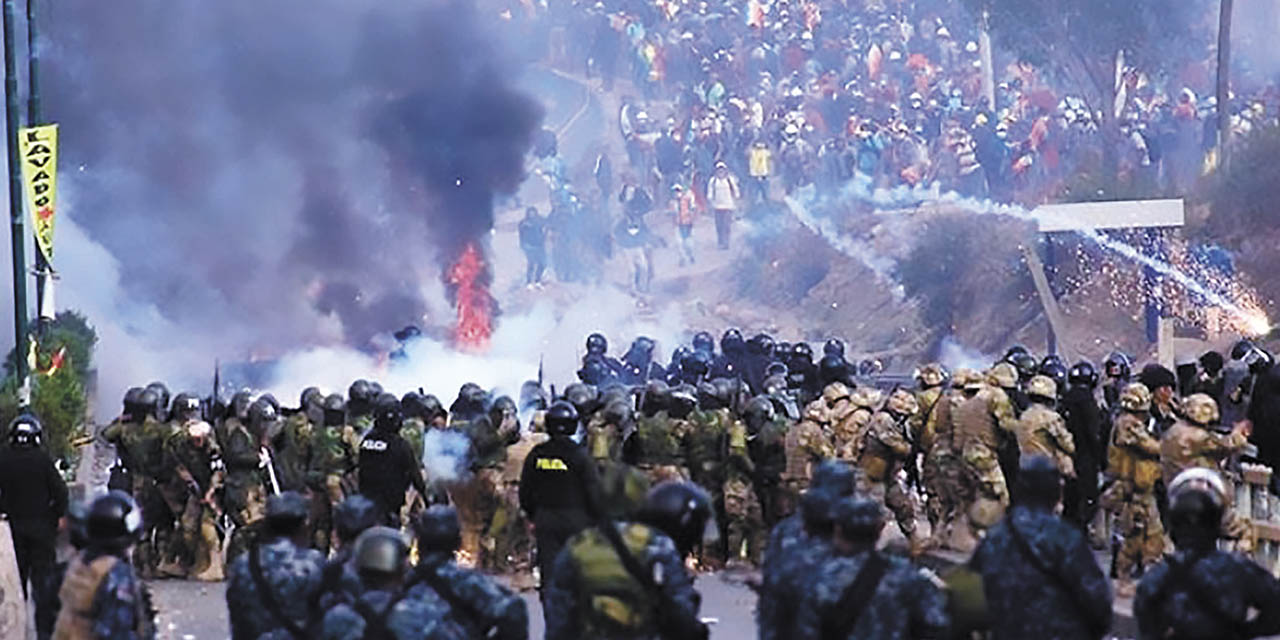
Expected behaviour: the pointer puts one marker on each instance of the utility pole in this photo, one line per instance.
(17, 232)
(44, 284)
(1224, 80)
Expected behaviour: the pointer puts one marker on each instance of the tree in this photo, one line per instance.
(58, 396)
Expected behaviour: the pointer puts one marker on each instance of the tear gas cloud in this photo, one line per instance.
(444, 455)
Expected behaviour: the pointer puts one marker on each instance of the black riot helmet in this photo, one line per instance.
(148, 405)
(502, 409)
(583, 397)
(353, 516)
(695, 365)
(835, 476)
(761, 344)
(1039, 482)
(375, 388)
(727, 390)
(432, 408)
(708, 397)
(471, 402)
(731, 342)
(1013, 352)
(681, 510)
(561, 419)
(758, 412)
(833, 347)
(1118, 366)
(387, 414)
(25, 431)
(162, 399)
(262, 417)
(412, 406)
(802, 352)
(702, 341)
(113, 522)
(133, 402)
(832, 369)
(682, 401)
(1082, 374)
(335, 411)
(657, 397)
(597, 344)
(1241, 348)
(438, 530)
(618, 413)
(1050, 360)
(311, 397)
(286, 513)
(186, 406)
(594, 371)
(1026, 365)
(532, 396)
(381, 553)
(1057, 372)
(360, 394)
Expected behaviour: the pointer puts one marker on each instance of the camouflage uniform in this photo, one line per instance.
(850, 421)
(388, 616)
(102, 598)
(332, 457)
(590, 594)
(885, 450)
(1187, 445)
(246, 495)
(981, 422)
(769, 457)
(942, 471)
(293, 576)
(143, 447)
(744, 520)
(1207, 595)
(807, 444)
(1042, 431)
(907, 603)
(791, 556)
(477, 497)
(198, 475)
(476, 603)
(1134, 461)
(294, 446)
(604, 439)
(1024, 602)
(513, 550)
(657, 442)
(706, 448)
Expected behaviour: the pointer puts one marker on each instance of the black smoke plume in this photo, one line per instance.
(274, 174)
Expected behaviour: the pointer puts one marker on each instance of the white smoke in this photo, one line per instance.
(444, 455)
(955, 355)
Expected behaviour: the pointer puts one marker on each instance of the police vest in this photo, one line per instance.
(612, 603)
(79, 589)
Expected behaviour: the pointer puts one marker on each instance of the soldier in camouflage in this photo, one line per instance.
(932, 381)
(513, 546)
(1038, 572)
(887, 449)
(199, 472)
(101, 595)
(655, 447)
(1199, 591)
(766, 444)
(982, 424)
(382, 609)
(849, 431)
(1193, 442)
(706, 449)
(1134, 462)
(744, 530)
(476, 603)
(807, 444)
(333, 455)
(139, 441)
(942, 470)
(247, 457)
(863, 593)
(798, 545)
(271, 585)
(1042, 431)
(478, 498)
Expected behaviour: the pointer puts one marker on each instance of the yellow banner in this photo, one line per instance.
(38, 147)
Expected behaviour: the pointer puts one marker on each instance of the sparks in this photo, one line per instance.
(467, 278)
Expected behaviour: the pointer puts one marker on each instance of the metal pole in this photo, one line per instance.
(17, 232)
(44, 292)
(1224, 81)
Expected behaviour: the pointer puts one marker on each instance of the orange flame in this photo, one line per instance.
(471, 298)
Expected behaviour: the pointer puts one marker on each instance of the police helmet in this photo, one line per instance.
(432, 408)
(562, 419)
(381, 551)
(758, 412)
(1055, 371)
(1197, 500)
(353, 516)
(835, 476)
(583, 397)
(335, 410)
(1082, 374)
(26, 431)
(185, 406)
(802, 352)
(1118, 366)
(162, 398)
(682, 510)
(1026, 366)
(113, 521)
(387, 413)
(240, 404)
(833, 347)
(311, 396)
(732, 341)
(132, 400)
(597, 344)
(702, 341)
(657, 397)
(438, 530)
(412, 406)
(360, 392)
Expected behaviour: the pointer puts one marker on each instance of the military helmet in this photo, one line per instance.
(1197, 500)
(387, 413)
(240, 403)
(709, 397)
(802, 351)
(1003, 375)
(731, 341)
(1118, 366)
(758, 412)
(1013, 352)
(260, 414)
(1083, 374)
(858, 517)
(774, 384)
(583, 397)
(866, 397)
(1026, 366)
(381, 551)
(1042, 387)
(335, 410)
(132, 400)
(562, 419)
(681, 401)
(504, 407)
(1135, 398)
(353, 516)
(114, 521)
(835, 476)
(148, 404)
(931, 375)
(902, 402)
(597, 344)
(618, 413)
(657, 397)
(162, 397)
(432, 408)
(438, 530)
(833, 347)
(835, 392)
(1201, 409)
(311, 396)
(360, 391)
(964, 376)
(412, 405)
(26, 431)
(185, 405)
(682, 510)
(702, 341)
(832, 368)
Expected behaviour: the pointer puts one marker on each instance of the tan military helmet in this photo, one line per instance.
(1003, 375)
(866, 397)
(835, 392)
(1136, 398)
(902, 402)
(931, 375)
(1042, 387)
(1200, 409)
(963, 376)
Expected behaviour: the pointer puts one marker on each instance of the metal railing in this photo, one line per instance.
(1255, 503)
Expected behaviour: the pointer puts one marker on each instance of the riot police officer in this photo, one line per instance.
(387, 465)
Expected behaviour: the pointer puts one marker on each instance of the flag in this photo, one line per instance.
(38, 148)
